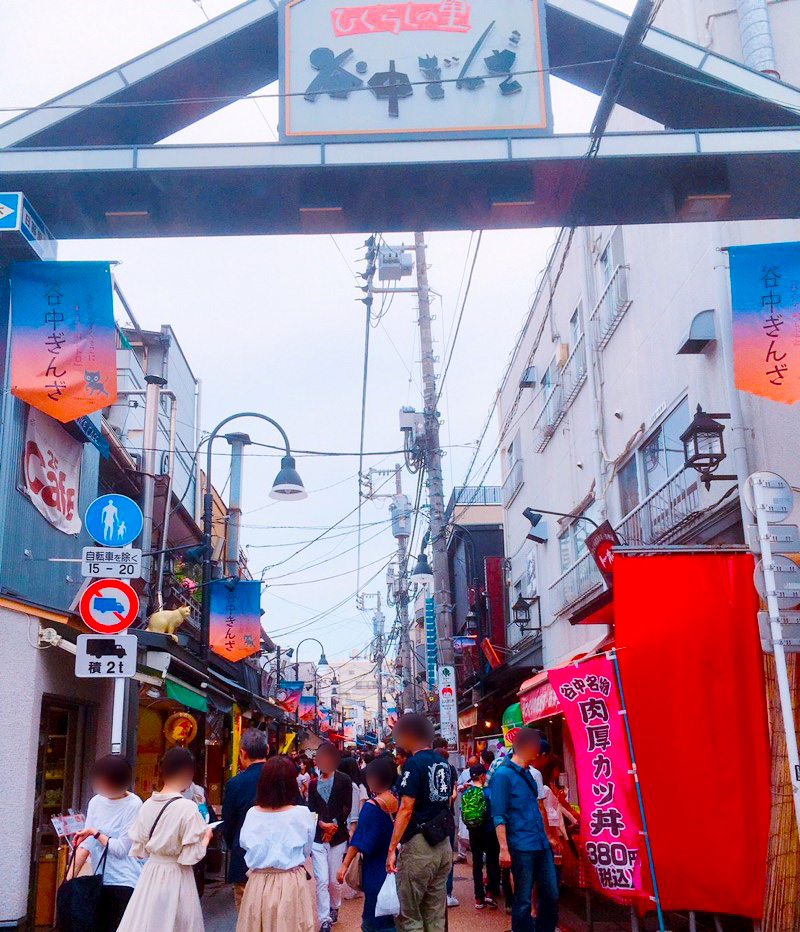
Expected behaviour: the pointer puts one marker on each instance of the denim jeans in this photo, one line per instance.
(529, 868)
(452, 866)
(368, 921)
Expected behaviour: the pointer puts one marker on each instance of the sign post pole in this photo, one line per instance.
(764, 504)
(651, 864)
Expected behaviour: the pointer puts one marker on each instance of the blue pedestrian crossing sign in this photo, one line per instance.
(114, 520)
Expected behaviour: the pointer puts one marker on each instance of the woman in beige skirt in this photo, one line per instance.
(277, 838)
(170, 832)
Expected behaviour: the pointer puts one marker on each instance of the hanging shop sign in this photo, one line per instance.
(63, 337)
(468, 719)
(431, 644)
(307, 709)
(288, 695)
(180, 728)
(448, 704)
(235, 618)
(413, 70)
(52, 471)
(611, 827)
(601, 543)
(512, 722)
(766, 355)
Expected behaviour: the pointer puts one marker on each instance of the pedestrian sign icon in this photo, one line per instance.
(114, 520)
(109, 606)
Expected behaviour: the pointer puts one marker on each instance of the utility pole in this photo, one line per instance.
(433, 462)
(401, 588)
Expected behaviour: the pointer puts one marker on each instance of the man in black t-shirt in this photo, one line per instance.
(423, 827)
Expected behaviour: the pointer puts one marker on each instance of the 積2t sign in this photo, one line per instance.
(351, 69)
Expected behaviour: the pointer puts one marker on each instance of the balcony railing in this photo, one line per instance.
(468, 495)
(665, 513)
(560, 396)
(581, 579)
(513, 483)
(611, 307)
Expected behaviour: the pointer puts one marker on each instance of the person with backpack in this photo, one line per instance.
(477, 815)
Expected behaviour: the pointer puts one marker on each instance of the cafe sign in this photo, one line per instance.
(350, 69)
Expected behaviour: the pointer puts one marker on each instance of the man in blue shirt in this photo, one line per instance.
(525, 846)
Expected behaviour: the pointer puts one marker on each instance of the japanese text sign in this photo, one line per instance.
(288, 695)
(63, 338)
(412, 70)
(235, 622)
(765, 294)
(610, 822)
(51, 465)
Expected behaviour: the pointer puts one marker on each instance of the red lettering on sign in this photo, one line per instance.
(445, 16)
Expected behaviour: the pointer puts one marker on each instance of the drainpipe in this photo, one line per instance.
(198, 435)
(152, 402)
(173, 418)
(755, 31)
(591, 373)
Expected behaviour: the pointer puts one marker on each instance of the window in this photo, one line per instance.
(575, 332)
(572, 541)
(628, 478)
(662, 455)
(565, 549)
(613, 254)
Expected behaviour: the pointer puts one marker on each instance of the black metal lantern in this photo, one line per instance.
(471, 623)
(521, 613)
(703, 446)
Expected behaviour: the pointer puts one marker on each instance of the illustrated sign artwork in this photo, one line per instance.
(765, 297)
(610, 822)
(412, 70)
(52, 471)
(288, 695)
(63, 337)
(235, 622)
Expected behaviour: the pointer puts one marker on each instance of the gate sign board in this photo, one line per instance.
(354, 69)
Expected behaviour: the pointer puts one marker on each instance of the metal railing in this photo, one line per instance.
(582, 578)
(468, 495)
(611, 307)
(560, 396)
(665, 513)
(513, 483)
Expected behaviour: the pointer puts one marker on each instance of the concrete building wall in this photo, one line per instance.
(29, 674)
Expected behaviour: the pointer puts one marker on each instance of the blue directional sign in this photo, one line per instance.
(23, 234)
(114, 520)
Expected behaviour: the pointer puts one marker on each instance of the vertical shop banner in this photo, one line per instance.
(765, 298)
(63, 337)
(235, 622)
(448, 705)
(610, 822)
(325, 719)
(307, 709)
(52, 471)
(349, 731)
(431, 645)
(288, 695)
(391, 718)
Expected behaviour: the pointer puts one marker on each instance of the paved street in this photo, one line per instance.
(218, 910)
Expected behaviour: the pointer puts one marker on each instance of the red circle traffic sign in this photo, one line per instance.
(109, 606)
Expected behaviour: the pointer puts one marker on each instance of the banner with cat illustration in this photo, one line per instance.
(63, 339)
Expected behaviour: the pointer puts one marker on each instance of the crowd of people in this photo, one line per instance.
(403, 812)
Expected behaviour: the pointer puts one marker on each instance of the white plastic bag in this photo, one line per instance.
(388, 902)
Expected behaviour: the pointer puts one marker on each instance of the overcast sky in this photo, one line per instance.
(273, 324)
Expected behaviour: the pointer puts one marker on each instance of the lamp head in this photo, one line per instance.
(423, 574)
(288, 486)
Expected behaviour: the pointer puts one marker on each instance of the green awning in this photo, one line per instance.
(186, 696)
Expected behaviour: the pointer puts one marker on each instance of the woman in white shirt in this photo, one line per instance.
(277, 838)
(109, 816)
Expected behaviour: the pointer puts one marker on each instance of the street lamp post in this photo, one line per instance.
(288, 486)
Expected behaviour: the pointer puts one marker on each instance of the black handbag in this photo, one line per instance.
(78, 900)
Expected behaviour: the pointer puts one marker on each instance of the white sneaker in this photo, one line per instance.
(452, 901)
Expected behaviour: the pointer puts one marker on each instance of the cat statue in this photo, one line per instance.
(168, 621)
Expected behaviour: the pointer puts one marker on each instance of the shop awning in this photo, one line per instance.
(600, 611)
(268, 708)
(537, 698)
(219, 700)
(186, 696)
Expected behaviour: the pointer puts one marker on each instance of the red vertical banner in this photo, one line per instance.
(611, 825)
(496, 597)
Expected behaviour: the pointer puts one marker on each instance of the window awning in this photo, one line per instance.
(268, 708)
(537, 698)
(186, 696)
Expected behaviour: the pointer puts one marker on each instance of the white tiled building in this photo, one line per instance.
(597, 395)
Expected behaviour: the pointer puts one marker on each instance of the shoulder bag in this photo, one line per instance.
(78, 900)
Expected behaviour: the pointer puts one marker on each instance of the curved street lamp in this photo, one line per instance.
(287, 486)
